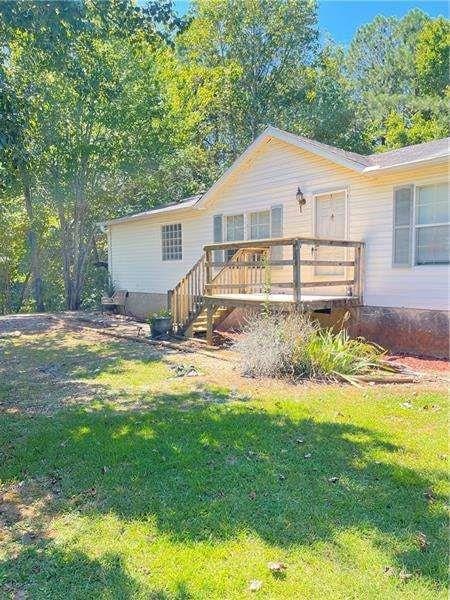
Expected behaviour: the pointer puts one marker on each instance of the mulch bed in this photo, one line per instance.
(421, 364)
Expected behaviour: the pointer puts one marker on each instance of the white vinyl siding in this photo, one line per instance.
(171, 242)
(271, 179)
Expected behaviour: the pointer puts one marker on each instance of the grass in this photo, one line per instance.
(121, 481)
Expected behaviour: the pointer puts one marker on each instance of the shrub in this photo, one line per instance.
(269, 341)
(275, 344)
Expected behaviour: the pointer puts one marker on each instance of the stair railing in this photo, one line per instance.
(185, 300)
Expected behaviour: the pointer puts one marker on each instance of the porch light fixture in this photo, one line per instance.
(301, 200)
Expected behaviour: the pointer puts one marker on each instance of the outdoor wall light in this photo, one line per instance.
(301, 200)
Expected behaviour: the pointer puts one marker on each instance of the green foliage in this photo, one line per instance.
(433, 57)
(161, 314)
(328, 353)
(398, 69)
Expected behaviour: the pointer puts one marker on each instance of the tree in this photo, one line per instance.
(329, 112)
(249, 59)
(432, 57)
(87, 99)
(389, 68)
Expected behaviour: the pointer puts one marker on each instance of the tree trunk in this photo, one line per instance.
(34, 248)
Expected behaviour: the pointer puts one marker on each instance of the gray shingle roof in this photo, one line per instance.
(184, 203)
(424, 151)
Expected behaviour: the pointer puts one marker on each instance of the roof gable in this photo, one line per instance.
(436, 150)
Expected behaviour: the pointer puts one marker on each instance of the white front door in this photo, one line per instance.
(330, 223)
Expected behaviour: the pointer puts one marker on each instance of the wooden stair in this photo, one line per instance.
(186, 299)
(198, 325)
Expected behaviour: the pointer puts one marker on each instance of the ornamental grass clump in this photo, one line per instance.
(269, 342)
(328, 354)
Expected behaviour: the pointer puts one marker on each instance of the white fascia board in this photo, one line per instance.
(153, 213)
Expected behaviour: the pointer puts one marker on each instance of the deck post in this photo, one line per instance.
(358, 272)
(296, 248)
(209, 323)
(208, 268)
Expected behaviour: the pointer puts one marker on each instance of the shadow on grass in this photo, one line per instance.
(213, 472)
(46, 372)
(49, 572)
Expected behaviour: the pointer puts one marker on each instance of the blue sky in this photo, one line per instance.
(341, 18)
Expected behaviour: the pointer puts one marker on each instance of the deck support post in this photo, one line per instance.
(209, 323)
(358, 273)
(208, 268)
(296, 249)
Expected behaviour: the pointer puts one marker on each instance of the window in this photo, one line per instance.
(421, 225)
(432, 224)
(403, 211)
(235, 228)
(260, 225)
(234, 231)
(171, 242)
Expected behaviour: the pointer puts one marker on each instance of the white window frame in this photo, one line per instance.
(413, 257)
(229, 253)
(256, 212)
(231, 216)
(416, 226)
(163, 226)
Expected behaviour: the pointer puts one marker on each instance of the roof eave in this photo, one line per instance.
(398, 167)
(154, 213)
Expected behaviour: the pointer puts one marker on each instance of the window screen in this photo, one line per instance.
(403, 210)
(171, 242)
(432, 224)
(260, 225)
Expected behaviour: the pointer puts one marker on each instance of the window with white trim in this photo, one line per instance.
(260, 225)
(421, 225)
(235, 228)
(171, 239)
(235, 231)
(432, 224)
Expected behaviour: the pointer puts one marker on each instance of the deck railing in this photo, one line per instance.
(254, 271)
(249, 271)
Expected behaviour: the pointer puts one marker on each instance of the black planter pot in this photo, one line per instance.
(160, 326)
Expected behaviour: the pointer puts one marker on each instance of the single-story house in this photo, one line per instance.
(392, 208)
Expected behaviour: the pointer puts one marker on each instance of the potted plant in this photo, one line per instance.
(160, 323)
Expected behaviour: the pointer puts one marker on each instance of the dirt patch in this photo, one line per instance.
(16, 325)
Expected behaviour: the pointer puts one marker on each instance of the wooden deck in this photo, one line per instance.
(249, 278)
(307, 302)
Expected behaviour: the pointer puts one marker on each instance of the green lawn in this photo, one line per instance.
(121, 481)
